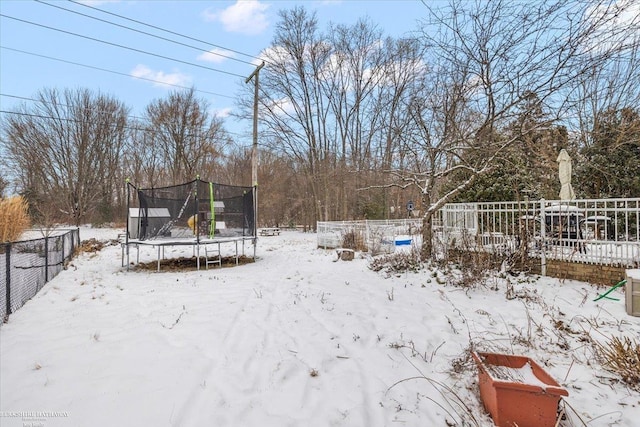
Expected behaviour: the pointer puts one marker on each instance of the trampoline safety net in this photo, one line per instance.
(196, 209)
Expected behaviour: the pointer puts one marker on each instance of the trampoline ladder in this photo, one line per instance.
(212, 254)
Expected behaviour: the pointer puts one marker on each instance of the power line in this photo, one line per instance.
(112, 71)
(24, 98)
(146, 33)
(142, 120)
(165, 30)
(65, 119)
(122, 47)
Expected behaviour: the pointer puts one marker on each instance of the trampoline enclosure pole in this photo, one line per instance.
(212, 226)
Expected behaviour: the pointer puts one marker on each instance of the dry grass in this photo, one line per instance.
(14, 218)
(92, 245)
(622, 357)
(353, 240)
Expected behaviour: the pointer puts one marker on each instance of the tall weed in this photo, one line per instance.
(14, 218)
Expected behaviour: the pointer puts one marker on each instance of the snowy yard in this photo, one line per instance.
(294, 339)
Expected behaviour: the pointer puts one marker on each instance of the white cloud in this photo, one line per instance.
(613, 22)
(223, 113)
(623, 12)
(160, 78)
(216, 55)
(276, 54)
(245, 16)
(283, 106)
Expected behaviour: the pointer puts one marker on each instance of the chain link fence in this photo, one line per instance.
(25, 266)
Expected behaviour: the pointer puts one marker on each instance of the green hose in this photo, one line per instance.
(621, 283)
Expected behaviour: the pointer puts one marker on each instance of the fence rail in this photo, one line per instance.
(593, 231)
(29, 264)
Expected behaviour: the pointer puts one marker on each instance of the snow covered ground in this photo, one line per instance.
(294, 339)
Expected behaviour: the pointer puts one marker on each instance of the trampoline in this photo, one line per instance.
(197, 213)
(197, 245)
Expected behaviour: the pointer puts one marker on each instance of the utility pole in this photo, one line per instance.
(254, 150)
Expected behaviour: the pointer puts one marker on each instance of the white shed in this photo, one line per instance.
(157, 218)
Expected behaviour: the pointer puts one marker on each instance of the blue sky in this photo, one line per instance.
(239, 30)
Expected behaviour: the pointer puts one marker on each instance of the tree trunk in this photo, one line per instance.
(427, 228)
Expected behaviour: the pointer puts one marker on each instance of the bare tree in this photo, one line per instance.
(186, 136)
(435, 113)
(65, 150)
(350, 82)
(143, 162)
(488, 57)
(333, 102)
(370, 81)
(605, 103)
(402, 82)
(294, 109)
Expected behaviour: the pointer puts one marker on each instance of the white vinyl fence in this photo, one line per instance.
(595, 231)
